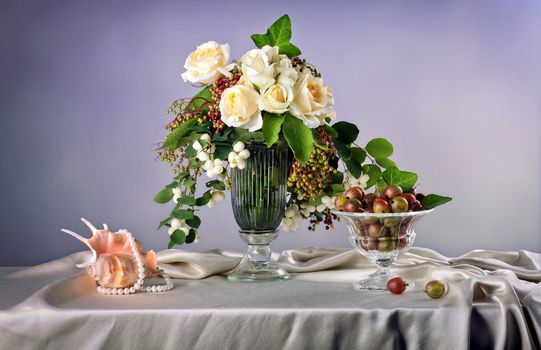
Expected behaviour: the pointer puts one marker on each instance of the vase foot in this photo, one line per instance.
(264, 271)
(377, 282)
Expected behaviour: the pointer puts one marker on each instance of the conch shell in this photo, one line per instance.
(113, 264)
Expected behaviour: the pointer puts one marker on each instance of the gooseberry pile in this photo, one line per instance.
(391, 199)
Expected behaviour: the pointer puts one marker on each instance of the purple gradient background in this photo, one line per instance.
(455, 85)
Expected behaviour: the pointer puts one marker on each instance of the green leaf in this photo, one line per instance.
(199, 99)
(299, 138)
(347, 132)
(385, 163)
(194, 222)
(223, 136)
(358, 154)
(186, 200)
(182, 214)
(434, 200)
(353, 166)
(172, 185)
(336, 188)
(204, 199)
(172, 140)
(164, 196)
(330, 130)
(260, 40)
(404, 179)
(163, 222)
(374, 174)
(278, 34)
(343, 151)
(338, 177)
(216, 184)
(178, 237)
(256, 136)
(272, 124)
(190, 238)
(189, 182)
(379, 148)
(222, 151)
(171, 244)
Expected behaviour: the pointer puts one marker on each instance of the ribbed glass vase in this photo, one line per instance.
(258, 197)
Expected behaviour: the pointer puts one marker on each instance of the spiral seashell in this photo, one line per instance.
(114, 270)
(112, 263)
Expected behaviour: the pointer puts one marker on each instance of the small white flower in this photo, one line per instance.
(205, 137)
(203, 156)
(361, 181)
(241, 163)
(197, 146)
(292, 218)
(300, 197)
(327, 201)
(209, 164)
(177, 224)
(211, 203)
(321, 207)
(238, 146)
(244, 154)
(218, 196)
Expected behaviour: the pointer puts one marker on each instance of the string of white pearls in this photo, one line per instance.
(138, 285)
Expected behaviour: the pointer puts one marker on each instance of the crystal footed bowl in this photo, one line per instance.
(381, 238)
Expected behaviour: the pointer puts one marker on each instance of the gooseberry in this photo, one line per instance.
(435, 289)
(381, 206)
(393, 191)
(355, 193)
(396, 285)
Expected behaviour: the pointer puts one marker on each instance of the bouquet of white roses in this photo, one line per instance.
(269, 95)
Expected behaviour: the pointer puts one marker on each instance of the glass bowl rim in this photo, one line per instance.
(382, 215)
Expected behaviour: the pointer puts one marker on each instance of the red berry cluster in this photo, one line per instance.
(214, 106)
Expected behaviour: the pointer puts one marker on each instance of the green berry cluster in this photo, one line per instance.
(311, 179)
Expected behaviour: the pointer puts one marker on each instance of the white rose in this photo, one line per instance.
(239, 108)
(313, 101)
(207, 63)
(256, 66)
(276, 98)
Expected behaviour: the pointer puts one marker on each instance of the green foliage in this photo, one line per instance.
(216, 184)
(272, 124)
(299, 138)
(186, 200)
(178, 237)
(190, 238)
(379, 148)
(385, 163)
(164, 196)
(194, 222)
(182, 214)
(374, 174)
(278, 34)
(404, 179)
(222, 151)
(199, 99)
(434, 200)
(172, 140)
(347, 132)
(204, 199)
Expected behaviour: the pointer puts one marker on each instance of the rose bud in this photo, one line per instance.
(381, 206)
(399, 205)
(411, 200)
(393, 191)
(355, 192)
(350, 206)
(339, 201)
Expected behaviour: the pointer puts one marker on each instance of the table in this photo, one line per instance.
(490, 305)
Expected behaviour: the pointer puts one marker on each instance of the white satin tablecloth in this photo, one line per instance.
(494, 302)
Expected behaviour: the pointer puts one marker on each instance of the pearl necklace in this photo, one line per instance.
(138, 285)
